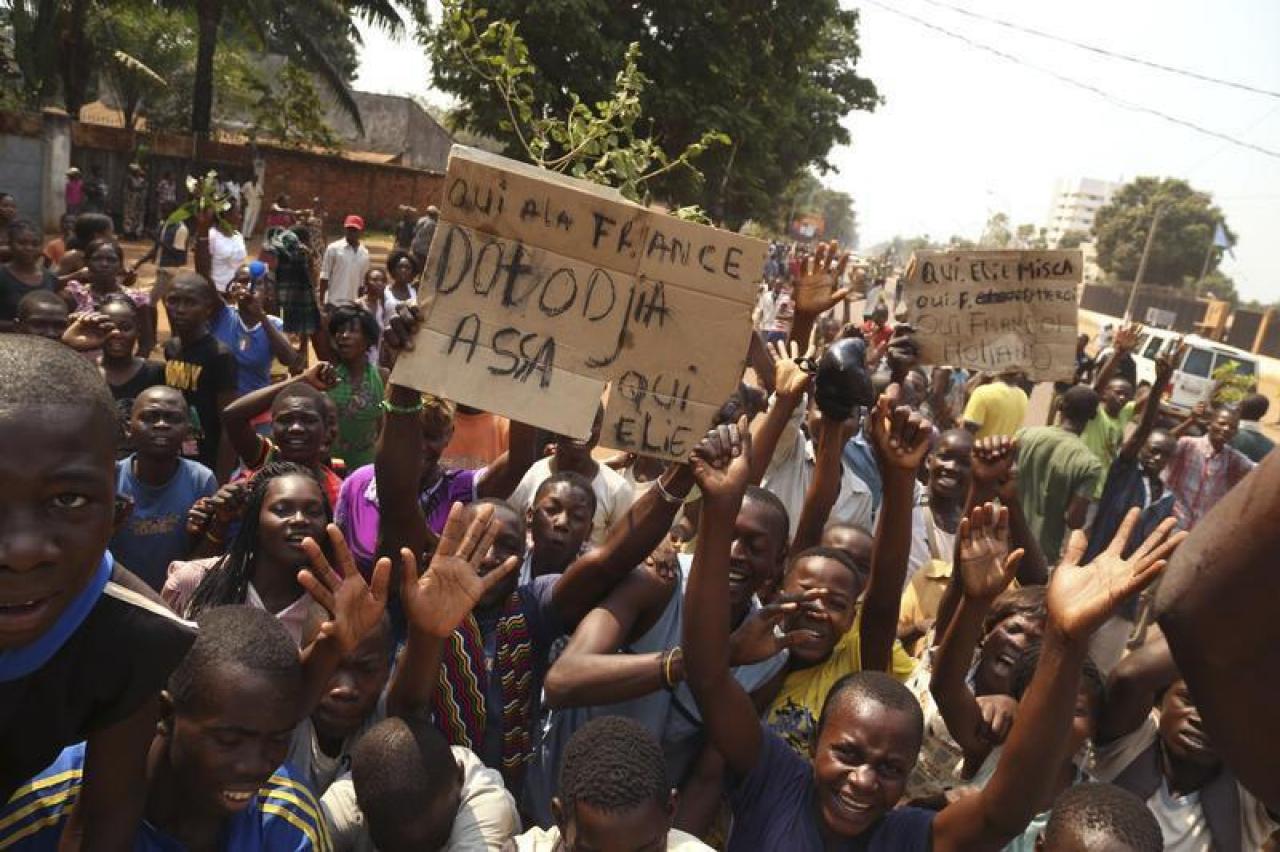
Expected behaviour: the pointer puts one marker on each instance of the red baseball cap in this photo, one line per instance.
(353, 221)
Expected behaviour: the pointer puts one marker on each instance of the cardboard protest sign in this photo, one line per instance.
(541, 289)
(996, 310)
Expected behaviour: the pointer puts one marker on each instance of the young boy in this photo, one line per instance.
(870, 728)
(42, 313)
(200, 366)
(615, 795)
(410, 790)
(215, 779)
(159, 484)
(84, 645)
(559, 522)
(1100, 818)
(614, 495)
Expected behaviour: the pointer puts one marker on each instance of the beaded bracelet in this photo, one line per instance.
(391, 408)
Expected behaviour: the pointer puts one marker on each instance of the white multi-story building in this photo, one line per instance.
(1075, 204)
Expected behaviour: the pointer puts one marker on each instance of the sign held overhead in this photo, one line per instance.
(541, 289)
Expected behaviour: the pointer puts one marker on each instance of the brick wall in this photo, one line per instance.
(343, 185)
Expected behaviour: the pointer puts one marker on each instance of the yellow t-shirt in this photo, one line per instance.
(997, 408)
(794, 713)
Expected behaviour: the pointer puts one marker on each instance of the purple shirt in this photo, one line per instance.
(357, 511)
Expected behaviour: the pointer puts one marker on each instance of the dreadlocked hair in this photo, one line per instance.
(227, 582)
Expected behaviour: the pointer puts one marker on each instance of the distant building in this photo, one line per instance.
(1075, 204)
(397, 126)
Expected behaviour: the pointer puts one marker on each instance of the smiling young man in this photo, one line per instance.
(215, 781)
(870, 728)
(84, 646)
(159, 484)
(1202, 470)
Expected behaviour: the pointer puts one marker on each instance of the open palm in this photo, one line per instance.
(356, 607)
(986, 565)
(446, 593)
(815, 290)
(1082, 597)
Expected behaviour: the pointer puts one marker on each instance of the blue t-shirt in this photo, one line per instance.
(250, 346)
(283, 818)
(156, 532)
(1127, 487)
(773, 809)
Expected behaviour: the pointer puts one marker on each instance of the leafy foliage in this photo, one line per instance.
(1231, 385)
(596, 142)
(1186, 230)
(776, 78)
(1073, 239)
(806, 194)
(145, 47)
(290, 112)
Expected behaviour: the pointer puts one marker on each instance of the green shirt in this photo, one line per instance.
(1104, 436)
(1054, 466)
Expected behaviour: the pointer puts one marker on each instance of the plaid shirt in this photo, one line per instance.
(1199, 477)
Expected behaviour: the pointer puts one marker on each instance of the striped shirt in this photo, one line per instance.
(285, 817)
(1200, 477)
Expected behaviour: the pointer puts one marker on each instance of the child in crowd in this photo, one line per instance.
(104, 260)
(43, 314)
(85, 647)
(24, 273)
(127, 373)
(1100, 818)
(215, 773)
(359, 383)
(159, 485)
(200, 366)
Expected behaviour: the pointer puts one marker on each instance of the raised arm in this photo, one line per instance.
(1126, 340)
(993, 476)
(249, 303)
(436, 603)
(502, 476)
(1217, 610)
(1134, 442)
(985, 567)
(824, 489)
(632, 538)
(237, 418)
(901, 439)
(1199, 416)
(730, 718)
(817, 290)
(1080, 600)
(791, 382)
(1133, 686)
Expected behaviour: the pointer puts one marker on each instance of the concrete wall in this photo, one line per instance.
(394, 125)
(22, 164)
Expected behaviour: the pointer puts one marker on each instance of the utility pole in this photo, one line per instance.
(1204, 270)
(1142, 264)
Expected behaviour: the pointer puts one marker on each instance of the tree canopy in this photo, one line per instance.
(1187, 223)
(776, 78)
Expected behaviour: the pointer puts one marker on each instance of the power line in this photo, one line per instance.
(1088, 87)
(1101, 51)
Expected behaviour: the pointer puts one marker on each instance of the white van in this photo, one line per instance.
(1192, 381)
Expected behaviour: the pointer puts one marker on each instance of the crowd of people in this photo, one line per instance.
(255, 595)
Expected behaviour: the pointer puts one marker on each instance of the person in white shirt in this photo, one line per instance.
(409, 789)
(226, 251)
(345, 263)
(614, 495)
(614, 793)
(251, 194)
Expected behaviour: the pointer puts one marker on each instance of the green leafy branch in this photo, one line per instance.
(596, 142)
(203, 194)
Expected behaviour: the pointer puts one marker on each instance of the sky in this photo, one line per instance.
(964, 133)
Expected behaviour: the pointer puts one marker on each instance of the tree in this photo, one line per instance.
(777, 78)
(280, 24)
(806, 194)
(1073, 239)
(1187, 222)
(1028, 236)
(996, 234)
(145, 46)
(290, 112)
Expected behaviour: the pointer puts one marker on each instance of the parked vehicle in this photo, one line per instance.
(1193, 380)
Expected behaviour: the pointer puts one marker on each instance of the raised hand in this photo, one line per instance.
(441, 599)
(792, 374)
(402, 329)
(721, 462)
(88, 331)
(227, 503)
(1168, 360)
(355, 606)
(758, 637)
(321, 375)
(199, 516)
(1127, 337)
(815, 289)
(1082, 597)
(248, 302)
(986, 565)
(993, 460)
(901, 435)
(998, 714)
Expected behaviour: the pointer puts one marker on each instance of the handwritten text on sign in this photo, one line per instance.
(539, 289)
(996, 310)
